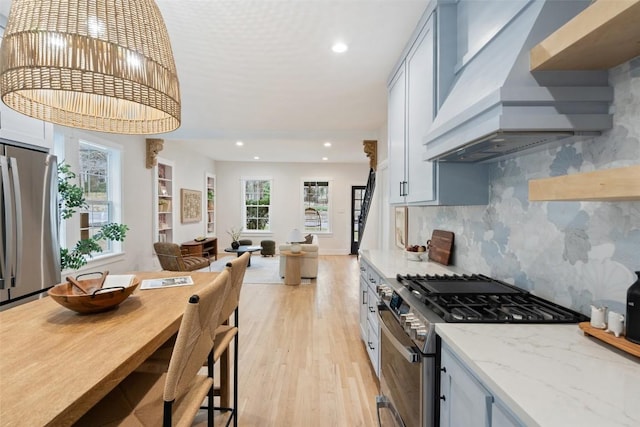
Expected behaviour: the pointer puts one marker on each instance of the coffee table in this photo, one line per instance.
(243, 249)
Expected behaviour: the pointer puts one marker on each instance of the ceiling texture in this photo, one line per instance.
(263, 72)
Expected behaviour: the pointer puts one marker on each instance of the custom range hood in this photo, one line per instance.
(489, 104)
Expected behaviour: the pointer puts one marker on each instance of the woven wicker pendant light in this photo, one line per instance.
(103, 65)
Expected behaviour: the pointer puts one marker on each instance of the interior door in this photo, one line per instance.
(357, 196)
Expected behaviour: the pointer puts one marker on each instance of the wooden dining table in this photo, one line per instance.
(55, 364)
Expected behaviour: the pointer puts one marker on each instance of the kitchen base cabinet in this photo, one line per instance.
(465, 401)
(364, 307)
(501, 417)
(369, 326)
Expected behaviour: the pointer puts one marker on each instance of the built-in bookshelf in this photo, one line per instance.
(164, 201)
(210, 208)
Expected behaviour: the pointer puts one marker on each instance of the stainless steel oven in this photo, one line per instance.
(409, 355)
(407, 374)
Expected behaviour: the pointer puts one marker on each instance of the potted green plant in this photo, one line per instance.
(235, 236)
(70, 199)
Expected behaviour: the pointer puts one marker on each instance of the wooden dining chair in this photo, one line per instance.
(174, 397)
(224, 335)
(228, 332)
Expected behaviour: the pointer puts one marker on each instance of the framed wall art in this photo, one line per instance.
(401, 226)
(191, 205)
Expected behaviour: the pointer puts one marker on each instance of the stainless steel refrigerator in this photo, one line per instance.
(29, 248)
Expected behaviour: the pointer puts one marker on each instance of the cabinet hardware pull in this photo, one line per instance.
(443, 398)
(443, 369)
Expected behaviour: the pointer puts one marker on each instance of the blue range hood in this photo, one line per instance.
(489, 104)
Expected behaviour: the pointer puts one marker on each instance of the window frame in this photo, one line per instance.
(330, 190)
(243, 186)
(67, 150)
(86, 181)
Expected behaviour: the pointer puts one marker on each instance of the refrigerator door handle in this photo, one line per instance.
(7, 248)
(51, 183)
(17, 198)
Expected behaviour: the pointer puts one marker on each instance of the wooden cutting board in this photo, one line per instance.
(618, 342)
(440, 246)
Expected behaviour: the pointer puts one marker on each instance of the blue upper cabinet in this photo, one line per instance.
(411, 102)
(412, 105)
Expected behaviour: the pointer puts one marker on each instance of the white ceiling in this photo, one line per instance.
(263, 72)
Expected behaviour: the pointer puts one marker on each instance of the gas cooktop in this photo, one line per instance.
(480, 299)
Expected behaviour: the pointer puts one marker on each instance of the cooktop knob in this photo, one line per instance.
(404, 318)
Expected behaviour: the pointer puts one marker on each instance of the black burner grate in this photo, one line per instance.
(481, 299)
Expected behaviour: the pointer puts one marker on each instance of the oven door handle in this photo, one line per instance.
(411, 354)
(383, 402)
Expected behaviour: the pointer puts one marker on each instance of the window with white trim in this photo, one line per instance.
(99, 178)
(257, 204)
(317, 206)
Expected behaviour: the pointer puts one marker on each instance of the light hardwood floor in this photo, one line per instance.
(301, 359)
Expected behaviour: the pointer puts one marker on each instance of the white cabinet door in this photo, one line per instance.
(396, 137)
(373, 347)
(464, 401)
(18, 127)
(500, 417)
(419, 66)
(364, 308)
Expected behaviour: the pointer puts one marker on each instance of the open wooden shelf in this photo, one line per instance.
(603, 185)
(605, 34)
(619, 342)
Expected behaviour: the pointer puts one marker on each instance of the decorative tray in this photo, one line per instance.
(619, 342)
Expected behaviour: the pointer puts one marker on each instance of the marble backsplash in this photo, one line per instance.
(573, 253)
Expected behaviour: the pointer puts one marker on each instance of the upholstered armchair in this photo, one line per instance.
(172, 259)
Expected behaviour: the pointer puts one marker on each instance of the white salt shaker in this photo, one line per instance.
(598, 316)
(615, 323)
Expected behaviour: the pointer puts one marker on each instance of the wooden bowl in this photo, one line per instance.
(98, 300)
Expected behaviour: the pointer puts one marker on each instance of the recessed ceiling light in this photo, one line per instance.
(327, 144)
(325, 158)
(339, 47)
(239, 143)
(256, 158)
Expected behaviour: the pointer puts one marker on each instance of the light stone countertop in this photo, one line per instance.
(390, 263)
(550, 375)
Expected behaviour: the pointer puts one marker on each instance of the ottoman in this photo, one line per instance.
(268, 248)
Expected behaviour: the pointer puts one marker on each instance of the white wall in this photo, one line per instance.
(286, 195)
(137, 195)
(189, 173)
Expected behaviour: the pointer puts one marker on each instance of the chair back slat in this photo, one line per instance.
(238, 266)
(196, 335)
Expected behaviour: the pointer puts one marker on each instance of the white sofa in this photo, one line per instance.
(309, 261)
